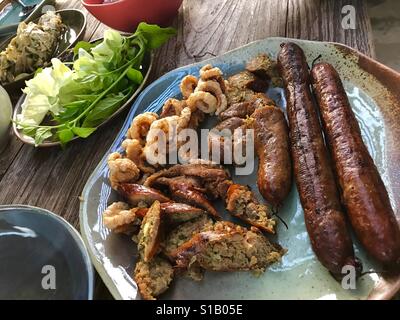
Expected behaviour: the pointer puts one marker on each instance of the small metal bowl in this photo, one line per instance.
(42, 257)
(75, 23)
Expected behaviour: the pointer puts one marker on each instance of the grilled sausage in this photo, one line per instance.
(363, 192)
(271, 136)
(323, 213)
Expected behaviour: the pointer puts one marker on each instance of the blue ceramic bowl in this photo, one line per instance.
(42, 257)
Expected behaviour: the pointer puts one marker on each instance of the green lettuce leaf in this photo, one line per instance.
(154, 34)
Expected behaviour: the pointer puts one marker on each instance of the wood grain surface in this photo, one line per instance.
(53, 178)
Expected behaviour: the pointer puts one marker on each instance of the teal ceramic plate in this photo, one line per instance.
(42, 257)
(75, 23)
(13, 14)
(374, 94)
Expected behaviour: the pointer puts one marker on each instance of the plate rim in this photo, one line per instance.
(387, 294)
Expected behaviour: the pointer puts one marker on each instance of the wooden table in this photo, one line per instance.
(54, 179)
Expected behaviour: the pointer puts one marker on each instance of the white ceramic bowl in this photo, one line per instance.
(5, 117)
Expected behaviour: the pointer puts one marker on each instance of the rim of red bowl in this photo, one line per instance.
(100, 4)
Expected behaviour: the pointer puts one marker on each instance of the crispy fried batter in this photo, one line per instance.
(120, 219)
(187, 86)
(121, 170)
(172, 107)
(134, 152)
(140, 126)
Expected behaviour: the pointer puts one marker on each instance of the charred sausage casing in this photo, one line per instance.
(271, 136)
(363, 191)
(323, 213)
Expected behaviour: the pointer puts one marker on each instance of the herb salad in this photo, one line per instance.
(76, 97)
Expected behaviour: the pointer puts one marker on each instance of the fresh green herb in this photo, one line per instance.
(135, 76)
(103, 76)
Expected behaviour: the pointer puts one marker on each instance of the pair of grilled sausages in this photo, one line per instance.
(361, 187)
(363, 192)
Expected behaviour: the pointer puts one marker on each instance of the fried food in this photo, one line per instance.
(209, 93)
(170, 127)
(215, 89)
(122, 170)
(183, 233)
(180, 212)
(172, 107)
(221, 138)
(134, 151)
(238, 110)
(175, 212)
(238, 250)
(265, 68)
(208, 72)
(140, 126)
(150, 232)
(137, 193)
(203, 101)
(247, 80)
(236, 95)
(187, 194)
(214, 178)
(242, 203)
(153, 278)
(119, 218)
(190, 232)
(187, 86)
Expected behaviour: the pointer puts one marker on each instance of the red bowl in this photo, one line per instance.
(125, 15)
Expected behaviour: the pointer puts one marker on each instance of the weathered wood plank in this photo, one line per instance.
(54, 178)
(322, 20)
(207, 28)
